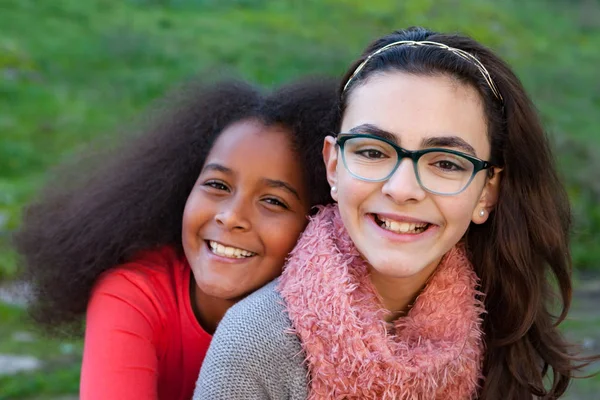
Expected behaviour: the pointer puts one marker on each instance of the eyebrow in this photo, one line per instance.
(277, 184)
(217, 167)
(273, 183)
(449, 141)
(438, 141)
(371, 129)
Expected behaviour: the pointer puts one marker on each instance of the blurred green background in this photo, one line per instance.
(72, 71)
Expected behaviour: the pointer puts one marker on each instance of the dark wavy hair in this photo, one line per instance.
(95, 215)
(525, 242)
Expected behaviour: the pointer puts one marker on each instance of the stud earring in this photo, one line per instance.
(481, 213)
(333, 189)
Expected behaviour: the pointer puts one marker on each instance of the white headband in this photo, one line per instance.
(461, 53)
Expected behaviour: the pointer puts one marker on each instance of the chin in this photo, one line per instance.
(397, 268)
(395, 272)
(219, 291)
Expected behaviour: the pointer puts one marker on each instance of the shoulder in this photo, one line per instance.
(254, 354)
(259, 324)
(144, 272)
(147, 284)
(263, 301)
(263, 312)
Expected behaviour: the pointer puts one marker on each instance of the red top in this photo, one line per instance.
(142, 340)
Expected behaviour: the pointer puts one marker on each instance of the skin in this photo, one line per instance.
(416, 112)
(250, 195)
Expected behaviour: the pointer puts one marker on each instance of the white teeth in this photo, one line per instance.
(231, 252)
(402, 227)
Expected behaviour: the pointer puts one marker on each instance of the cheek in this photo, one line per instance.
(195, 214)
(352, 191)
(458, 211)
(188, 215)
(282, 236)
(189, 212)
(457, 217)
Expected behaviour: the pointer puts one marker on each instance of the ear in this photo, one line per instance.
(488, 199)
(330, 156)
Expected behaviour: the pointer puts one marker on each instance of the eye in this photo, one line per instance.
(218, 185)
(448, 166)
(371, 153)
(275, 202)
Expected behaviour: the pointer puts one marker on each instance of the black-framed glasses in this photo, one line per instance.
(438, 170)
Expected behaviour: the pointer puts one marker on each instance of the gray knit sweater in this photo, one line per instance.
(252, 355)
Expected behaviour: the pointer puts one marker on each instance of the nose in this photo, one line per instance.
(403, 185)
(234, 215)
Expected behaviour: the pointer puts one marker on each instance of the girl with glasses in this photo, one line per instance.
(431, 278)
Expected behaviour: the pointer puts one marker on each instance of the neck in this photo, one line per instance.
(208, 310)
(399, 294)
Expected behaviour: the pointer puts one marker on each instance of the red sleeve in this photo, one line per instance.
(120, 359)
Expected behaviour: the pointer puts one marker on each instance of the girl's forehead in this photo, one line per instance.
(402, 92)
(244, 135)
(414, 107)
(255, 151)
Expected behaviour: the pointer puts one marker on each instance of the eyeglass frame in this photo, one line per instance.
(478, 164)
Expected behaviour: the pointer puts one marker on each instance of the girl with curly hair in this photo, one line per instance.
(157, 242)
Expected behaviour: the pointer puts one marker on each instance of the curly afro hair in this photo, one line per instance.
(132, 198)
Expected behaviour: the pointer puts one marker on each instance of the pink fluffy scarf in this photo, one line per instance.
(435, 351)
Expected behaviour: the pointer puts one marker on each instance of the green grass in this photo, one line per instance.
(59, 373)
(73, 72)
(53, 380)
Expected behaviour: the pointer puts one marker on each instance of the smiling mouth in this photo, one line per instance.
(228, 251)
(411, 228)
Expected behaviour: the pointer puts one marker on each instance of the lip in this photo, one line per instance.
(402, 218)
(401, 237)
(226, 260)
(229, 245)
